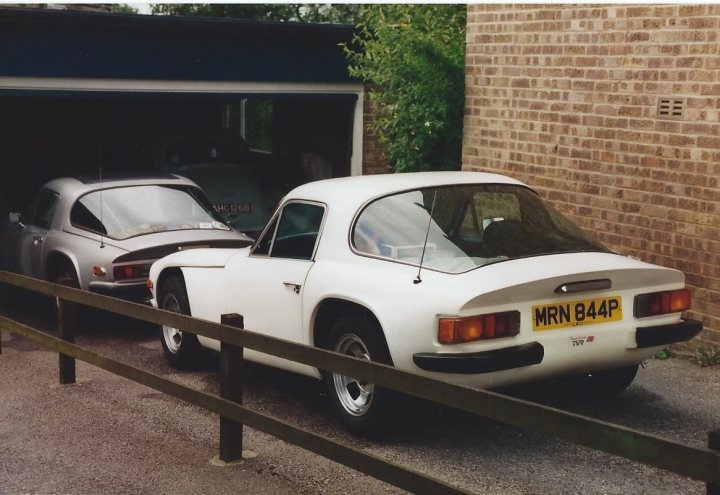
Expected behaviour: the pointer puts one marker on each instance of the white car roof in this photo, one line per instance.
(357, 190)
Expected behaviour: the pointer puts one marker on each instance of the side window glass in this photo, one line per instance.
(263, 245)
(297, 231)
(27, 217)
(82, 217)
(44, 210)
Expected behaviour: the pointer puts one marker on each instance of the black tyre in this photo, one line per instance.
(363, 408)
(181, 349)
(65, 274)
(614, 381)
(603, 383)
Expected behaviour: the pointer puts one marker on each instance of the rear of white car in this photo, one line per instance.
(513, 290)
(562, 314)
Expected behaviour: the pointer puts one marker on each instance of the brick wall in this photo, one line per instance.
(374, 160)
(565, 98)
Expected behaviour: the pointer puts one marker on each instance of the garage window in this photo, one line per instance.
(253, 120)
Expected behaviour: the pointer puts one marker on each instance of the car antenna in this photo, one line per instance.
(99, 157)
(427, 234)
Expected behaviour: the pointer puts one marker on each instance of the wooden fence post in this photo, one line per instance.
(66, 330)
(714, 444)
(231, 388)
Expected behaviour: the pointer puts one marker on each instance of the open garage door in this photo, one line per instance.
(85, 92)
(290, 138)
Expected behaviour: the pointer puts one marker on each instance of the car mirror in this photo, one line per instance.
(14, 219)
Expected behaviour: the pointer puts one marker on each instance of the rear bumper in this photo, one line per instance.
(667, 334)
(519, 356)
(130, 292)
(481, 362)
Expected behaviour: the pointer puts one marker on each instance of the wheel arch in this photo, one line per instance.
(330, 309)
(166, 274)
(55, 260)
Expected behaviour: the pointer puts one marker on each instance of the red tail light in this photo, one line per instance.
(483, 327)
(126, 272)
(660, 303)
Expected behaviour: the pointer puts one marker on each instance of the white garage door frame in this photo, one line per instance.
(203, 87)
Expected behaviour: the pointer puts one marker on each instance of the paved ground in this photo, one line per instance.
(109, 435)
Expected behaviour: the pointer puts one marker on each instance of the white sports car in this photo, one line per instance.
(466, 277)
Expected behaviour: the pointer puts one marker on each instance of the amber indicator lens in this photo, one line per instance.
(661, 303)
(483, 327)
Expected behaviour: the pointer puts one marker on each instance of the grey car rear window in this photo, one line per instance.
(124, 212)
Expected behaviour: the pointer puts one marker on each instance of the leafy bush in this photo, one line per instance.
(414, 58)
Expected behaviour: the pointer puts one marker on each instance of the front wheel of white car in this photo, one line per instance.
(181, 349)
(363, 407)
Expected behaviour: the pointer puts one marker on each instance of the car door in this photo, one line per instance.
(31, 237)
(268, 288)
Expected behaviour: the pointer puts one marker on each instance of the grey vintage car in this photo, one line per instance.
(103, 235)
(219, 164)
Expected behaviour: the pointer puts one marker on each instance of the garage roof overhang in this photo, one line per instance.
(59, 53)
(56, 45)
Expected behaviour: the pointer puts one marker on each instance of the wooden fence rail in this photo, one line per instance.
(695, 462)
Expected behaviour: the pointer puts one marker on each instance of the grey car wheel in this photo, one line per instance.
(65, 275)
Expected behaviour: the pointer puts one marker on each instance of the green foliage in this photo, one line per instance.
(664, 354)
(328, 13)
(414, 56)
(336, 13)
(258, 124)
(123, 8)
(238, 10)
(707, 356)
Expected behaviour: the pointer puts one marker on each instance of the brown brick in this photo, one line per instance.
(692, 10)
(708, 142)
(582, 125)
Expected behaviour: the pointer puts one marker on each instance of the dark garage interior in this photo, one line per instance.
(87, 93)
(43, 137)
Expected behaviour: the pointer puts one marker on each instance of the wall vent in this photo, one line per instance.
(671, 108)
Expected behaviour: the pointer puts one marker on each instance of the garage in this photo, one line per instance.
(87, 93)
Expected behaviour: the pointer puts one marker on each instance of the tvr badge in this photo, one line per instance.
(580, 341)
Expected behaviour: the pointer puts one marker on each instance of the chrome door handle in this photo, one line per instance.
(294, 287)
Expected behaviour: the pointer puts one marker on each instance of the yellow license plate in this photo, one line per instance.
(576, 313)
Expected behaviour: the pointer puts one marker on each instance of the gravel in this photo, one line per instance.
(108, 435)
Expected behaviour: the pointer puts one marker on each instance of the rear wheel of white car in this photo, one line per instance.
(181, 349)
(364, 408)
(614, 381)
(603, 383)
